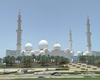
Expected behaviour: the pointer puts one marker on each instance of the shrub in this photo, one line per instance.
(84, 65)
(76, 72)
(62, 69)
(94, 68)
(87, 76)
(31, 72)
(78, 67)
(88, 66)
(79, 63)
(6, 72)
(97, 72)
(82, 68)
(74, 65)
(70, 64)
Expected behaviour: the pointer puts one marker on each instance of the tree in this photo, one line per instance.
(9, 60)
(0, 60)
(57, 60)
(26, 61)
(12, 60)
(33, 57)
(19, 59)
(63, 60)
(43, 60)
(82, 59)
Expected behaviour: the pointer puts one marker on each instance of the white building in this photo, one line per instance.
(43, 50)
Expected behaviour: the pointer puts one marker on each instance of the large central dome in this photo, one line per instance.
(43, 44)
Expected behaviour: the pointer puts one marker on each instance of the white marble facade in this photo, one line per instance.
(43, 50)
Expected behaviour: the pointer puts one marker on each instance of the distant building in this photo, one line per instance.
(14, 53)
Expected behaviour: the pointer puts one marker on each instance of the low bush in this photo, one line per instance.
(82, 68)
(62, 69)
(79, 63)
(6, 72)
(76, 72)
(38, 71)
(84, 65)
(97, 72)
(31, 72)
(94, 68)
(88, 76)
(73, 65)
(78, 67)
(88, 66)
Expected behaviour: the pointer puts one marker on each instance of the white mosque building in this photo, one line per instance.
(43, 46)
(43, 50)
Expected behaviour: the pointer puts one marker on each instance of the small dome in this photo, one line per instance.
(32, 52)
(41, 52)
(87, 53)
(72, 53)
(28, 46)
(22, 51)
(79, 53)
(57, 46)
(43, 44)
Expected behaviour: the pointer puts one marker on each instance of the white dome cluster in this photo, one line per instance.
(43, 44)
(43, 50)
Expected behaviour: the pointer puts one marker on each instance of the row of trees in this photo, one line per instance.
(27, 61)
(92, 60)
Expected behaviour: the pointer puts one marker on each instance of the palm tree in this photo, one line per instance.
(26, 61)
(52, 59)
(57, 60)
(9, 60)
(0, 60)
(19, 59)
(43, 60)
(82, 59)
(33, 57)
(6, 60)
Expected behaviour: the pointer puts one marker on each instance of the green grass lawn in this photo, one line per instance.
(61, 79)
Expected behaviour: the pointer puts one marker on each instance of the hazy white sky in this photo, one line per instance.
(50, 19)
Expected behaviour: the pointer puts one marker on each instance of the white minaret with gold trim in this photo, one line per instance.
(70, 40)
(88, 33)
(19, 32)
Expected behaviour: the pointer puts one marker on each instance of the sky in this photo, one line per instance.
(51, 19)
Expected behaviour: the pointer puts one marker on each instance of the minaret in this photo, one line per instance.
(19, 32)
(70, 40)
(88, 33)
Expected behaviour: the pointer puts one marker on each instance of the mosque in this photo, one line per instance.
(43, 46)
